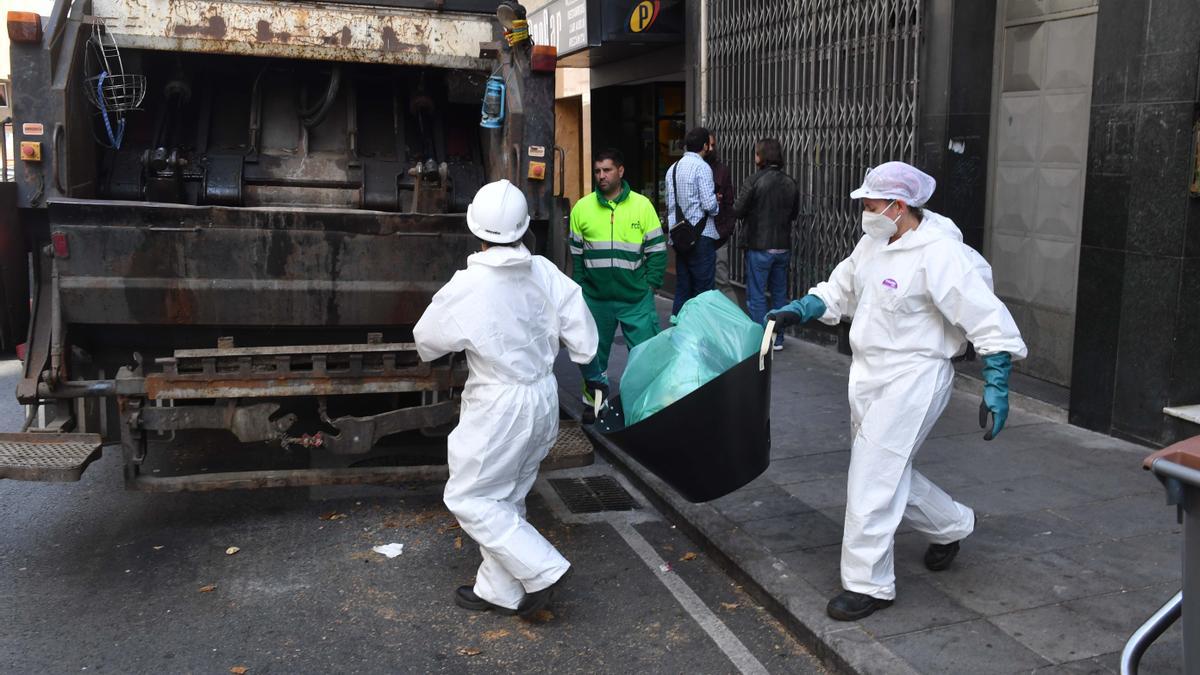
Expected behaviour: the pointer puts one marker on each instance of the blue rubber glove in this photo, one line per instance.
(996, 368)
(798, 311)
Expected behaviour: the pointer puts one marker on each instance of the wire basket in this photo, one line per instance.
(111, 89)
(116, 93)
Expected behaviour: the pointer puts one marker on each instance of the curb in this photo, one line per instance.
(846, 647)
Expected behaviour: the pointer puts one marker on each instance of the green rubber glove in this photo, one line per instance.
(996, 368)
(798, 311)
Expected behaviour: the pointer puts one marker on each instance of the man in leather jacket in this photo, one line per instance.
(768, 204)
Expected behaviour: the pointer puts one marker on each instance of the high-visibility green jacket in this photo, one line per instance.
(618, 247)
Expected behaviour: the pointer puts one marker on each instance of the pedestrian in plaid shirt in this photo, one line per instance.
(697, 198)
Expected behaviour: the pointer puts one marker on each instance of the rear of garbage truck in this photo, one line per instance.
(235, 214)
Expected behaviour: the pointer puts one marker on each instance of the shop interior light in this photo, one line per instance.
(24, 27)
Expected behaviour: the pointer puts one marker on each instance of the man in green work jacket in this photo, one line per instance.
(619, 254)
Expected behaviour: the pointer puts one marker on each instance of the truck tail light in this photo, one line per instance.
(24, 27)
(544, 59)
(61, 248)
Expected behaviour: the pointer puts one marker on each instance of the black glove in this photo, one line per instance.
(784, 318)
(592, 387)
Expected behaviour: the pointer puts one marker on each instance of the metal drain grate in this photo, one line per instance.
(572, 450)
(593, 494)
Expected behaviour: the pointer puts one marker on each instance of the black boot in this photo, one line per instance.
(465, 597)
(536, 601)
(851, 606)
(939, 556)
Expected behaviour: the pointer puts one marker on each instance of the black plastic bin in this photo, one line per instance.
(710, 442)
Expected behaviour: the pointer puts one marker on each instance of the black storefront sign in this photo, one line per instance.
(574, 25)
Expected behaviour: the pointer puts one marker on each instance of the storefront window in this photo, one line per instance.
(647, 123)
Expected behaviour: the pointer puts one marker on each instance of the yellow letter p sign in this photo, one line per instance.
(642, 16)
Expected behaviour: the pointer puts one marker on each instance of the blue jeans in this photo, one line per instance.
(765, 273)
(695, 271)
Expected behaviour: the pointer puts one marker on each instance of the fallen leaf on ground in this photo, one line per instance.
(458, 543)
(446, 528)
(239, 670)
(496, 634)
(333, 515)
(469, 651)
(231, 550)
(208, 589)
(730, 605)
(543, 616)
(529, 635)
(688, 556)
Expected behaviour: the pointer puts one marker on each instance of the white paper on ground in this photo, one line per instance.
(390, 550)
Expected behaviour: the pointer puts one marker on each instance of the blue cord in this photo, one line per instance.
(120, 135)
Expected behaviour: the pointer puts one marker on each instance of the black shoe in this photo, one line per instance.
(465, 597)
(851, 606)
(939, 556)
(536, 601)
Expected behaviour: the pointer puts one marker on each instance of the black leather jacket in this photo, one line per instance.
(768, 204)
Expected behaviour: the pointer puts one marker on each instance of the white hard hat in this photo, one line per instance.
(498, 213)
(896, 180)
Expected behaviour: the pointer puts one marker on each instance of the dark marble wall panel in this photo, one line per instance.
(1105, 211)
(1137, 344)
(1157, 215)
(1120, 40)
(1145, 350)
(1185, 367)
(1170, 76)
(1097, 332)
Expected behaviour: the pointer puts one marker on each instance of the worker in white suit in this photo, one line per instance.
(917, 294)
(508, 310)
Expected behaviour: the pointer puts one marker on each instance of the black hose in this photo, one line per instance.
(315, 115)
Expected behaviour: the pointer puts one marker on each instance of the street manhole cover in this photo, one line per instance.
(593, 494)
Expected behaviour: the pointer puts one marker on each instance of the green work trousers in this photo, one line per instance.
(638, 320)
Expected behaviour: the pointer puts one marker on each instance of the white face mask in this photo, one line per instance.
(879, 226)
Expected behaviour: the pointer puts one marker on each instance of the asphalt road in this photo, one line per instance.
(97, 579)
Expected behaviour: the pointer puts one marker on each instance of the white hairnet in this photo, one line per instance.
(896, 180)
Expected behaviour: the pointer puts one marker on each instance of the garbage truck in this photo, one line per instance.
(235, 213)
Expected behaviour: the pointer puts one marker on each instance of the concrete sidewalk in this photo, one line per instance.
(1074, 546)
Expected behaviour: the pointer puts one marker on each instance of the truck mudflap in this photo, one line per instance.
(47, 457)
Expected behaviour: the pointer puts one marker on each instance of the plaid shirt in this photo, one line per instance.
(699, 196)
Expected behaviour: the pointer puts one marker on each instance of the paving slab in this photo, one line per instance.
(1074, 545)
(976, 647)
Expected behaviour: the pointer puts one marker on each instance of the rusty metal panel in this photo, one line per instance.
(140, 264)
(301, 30)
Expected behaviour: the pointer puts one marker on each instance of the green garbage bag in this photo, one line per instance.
(710, 335)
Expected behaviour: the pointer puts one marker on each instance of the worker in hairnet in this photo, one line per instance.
(917, 294)
(508, 310)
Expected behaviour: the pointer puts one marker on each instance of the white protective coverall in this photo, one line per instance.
(508, 310)
(915, 304)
